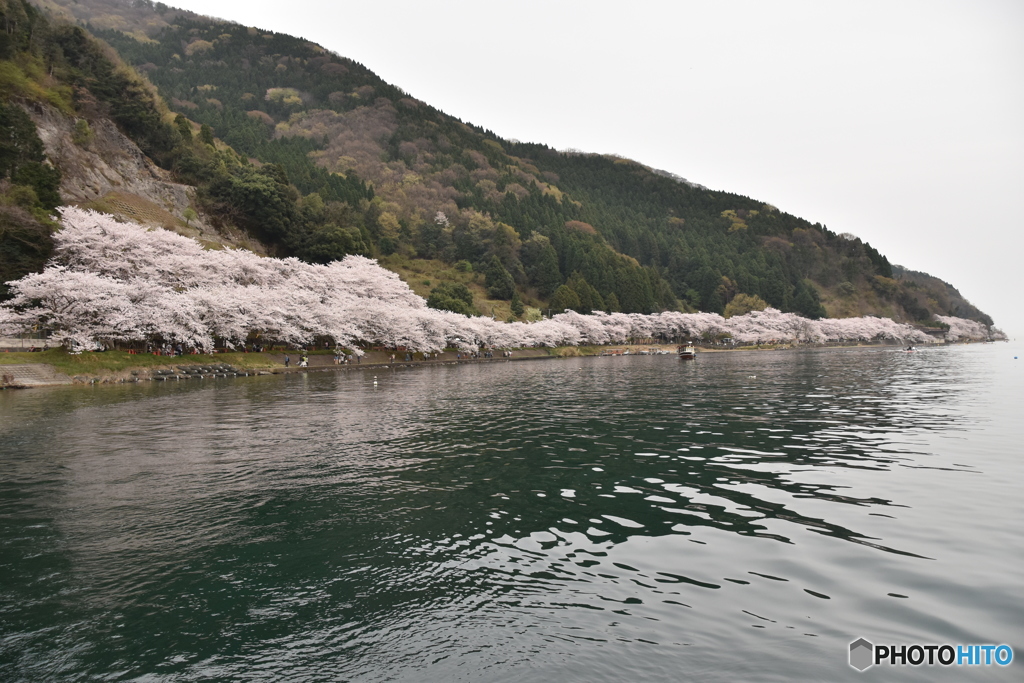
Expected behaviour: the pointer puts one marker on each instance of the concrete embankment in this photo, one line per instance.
(31, 375)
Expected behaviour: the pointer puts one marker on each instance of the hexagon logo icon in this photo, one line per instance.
(862, 654)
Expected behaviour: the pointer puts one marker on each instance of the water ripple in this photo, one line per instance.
(640, 518)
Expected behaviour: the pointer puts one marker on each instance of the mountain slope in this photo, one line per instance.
(375, 171)
(79, 126)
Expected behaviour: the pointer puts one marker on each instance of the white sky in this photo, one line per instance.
(900, 122)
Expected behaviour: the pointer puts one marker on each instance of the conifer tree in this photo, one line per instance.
(547, 276)
(517, 305)
(206, 134)
(184, 127)
(806, 301)
(590, 299)
(499, 282)
(564, 299)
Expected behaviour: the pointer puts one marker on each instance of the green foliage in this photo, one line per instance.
(29, 191)
(590, 299)
(564, 298)
(331, 242)
(259, 200)
(806, 301)
(26, 241)
(184, 127)
(43, 179)
(541, 262)
(517, 305)
(19, 143)
(611, 303)
(113, 90)
(206, 135)
(499, 282)
(452, 296)
(744, 303)
(82, 134)
(776, 290)
(21, 158)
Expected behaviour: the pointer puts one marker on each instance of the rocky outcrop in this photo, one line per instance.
(108, 172)
(109, 162)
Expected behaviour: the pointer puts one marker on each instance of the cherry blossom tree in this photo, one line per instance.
(959, 329)
(111, 282)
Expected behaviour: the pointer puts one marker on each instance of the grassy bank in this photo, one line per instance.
(93, 364)
(117, 366)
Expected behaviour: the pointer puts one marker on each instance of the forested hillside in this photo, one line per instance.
(317, 157)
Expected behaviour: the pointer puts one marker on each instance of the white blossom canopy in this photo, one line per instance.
(111, 282)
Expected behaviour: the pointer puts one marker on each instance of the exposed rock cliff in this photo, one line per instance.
(105, 170)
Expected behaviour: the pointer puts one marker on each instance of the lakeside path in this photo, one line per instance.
(20, 370)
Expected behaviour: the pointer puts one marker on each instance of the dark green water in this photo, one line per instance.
(601, 519)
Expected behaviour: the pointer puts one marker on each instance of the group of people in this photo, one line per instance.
(409, 357)
(303, 361)
(166, 350)
(342, 358)
(481, 354)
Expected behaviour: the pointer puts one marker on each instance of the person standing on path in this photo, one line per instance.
(287, 360)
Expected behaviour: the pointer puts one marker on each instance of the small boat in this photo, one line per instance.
(687, 352)
(910, 349)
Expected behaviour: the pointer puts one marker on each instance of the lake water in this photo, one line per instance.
(741, 517)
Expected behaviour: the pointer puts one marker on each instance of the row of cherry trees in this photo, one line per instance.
(961, 328)
(112, 282)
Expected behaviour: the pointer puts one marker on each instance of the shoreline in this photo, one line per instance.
(21, 370)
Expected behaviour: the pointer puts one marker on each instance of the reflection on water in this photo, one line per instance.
(743, 516)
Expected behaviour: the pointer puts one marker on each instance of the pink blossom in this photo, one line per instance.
(111, 282)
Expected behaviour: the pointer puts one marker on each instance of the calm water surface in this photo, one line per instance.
(741, 517)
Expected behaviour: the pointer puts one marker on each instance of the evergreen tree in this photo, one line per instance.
(517, 305)
(21, 157)
(206, 134)
(806, 301)
(664, 298)
(545, 274)
(452, 296)
(564, 299)
(707, 282)
(714, 304)
(590, 299)
(184, 127)
(634, 291)
(776, 290)
(499, 282)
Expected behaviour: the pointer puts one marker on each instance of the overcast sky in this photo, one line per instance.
(900, 122)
